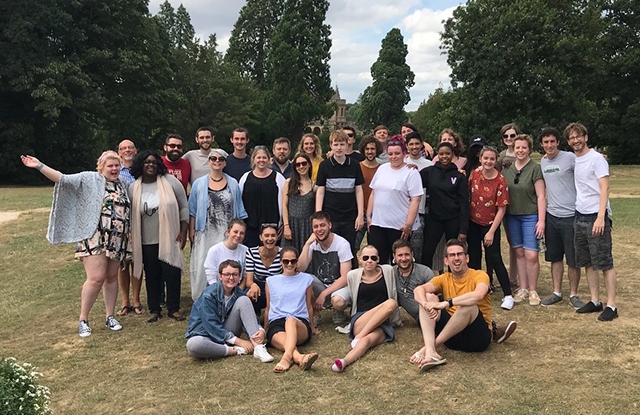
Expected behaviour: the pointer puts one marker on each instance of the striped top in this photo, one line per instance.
(253, 263)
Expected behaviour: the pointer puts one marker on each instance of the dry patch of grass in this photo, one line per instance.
(557, 362)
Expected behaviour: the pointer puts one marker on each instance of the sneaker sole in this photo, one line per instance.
(511, 327)
(550, 304)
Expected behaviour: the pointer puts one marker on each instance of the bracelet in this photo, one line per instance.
(368, 215)
(286, 224)
(40, 167)
(450, 301)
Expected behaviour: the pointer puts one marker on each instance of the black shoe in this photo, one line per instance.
(608, 314)
(176, 316)
(590, 307)
(154, 317)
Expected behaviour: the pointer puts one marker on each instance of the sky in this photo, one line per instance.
(357, 30)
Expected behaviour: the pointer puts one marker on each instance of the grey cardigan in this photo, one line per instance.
(353, 281)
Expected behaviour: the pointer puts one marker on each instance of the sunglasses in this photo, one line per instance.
(350, 135)
(374, 258)
(508, 136)
(289, 261)
(220, 159)
(178, 146)
(301, 164)
(489, 148)
(516, 180)
(268, 225)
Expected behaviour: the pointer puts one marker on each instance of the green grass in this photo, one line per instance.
(557, 362)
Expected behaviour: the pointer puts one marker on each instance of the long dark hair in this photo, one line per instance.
(295, 180)
(138, 163)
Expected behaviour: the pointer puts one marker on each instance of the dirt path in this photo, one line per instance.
(10, 215)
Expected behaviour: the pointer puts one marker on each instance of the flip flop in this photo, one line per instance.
(433, 362)
(279, 368)
(139, 310)
(308, 360)
(416, 358)
(124, 310)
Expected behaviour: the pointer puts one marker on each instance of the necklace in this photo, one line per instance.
(407, 279)
(216, 180)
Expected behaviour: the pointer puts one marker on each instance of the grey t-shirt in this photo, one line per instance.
(421, 274)
(561, 188)
(199, 164)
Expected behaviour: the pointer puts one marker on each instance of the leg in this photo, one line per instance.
(610, 283)
(432, 234)
(95, 267)
(463, 317)
(295, 333)
(110, 287)
(594, 287)
(428, 327)
(369, 341)
(557, 269)
(522, 267)
(417, 241)
(372, 319)
(494, 260)
(124, 277)
(340, 299)
(172, 277)
(474, 245)
(200, 347)
(532, 269)
(574, 279)
(153, 277)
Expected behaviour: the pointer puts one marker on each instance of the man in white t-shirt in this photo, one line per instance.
(327, 257)
(592, 224)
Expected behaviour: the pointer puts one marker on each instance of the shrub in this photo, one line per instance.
(19, 393)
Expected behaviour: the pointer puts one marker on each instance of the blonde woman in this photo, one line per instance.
(310, 145)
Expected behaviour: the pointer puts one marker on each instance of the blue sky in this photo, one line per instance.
(358, 27)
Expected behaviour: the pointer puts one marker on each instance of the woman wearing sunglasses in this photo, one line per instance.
(508, 133)
(374, 309)
(262, 262)
(298, 202)
(261, 193)
(215, 199)
(525, 218)
(289, 309)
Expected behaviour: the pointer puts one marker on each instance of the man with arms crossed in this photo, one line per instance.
(199, 159)
(409, 274)
(463, 320)
(327, 257)
(592, 224)
(557, 170)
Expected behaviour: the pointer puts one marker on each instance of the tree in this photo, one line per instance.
(383, 102)
(298, 84)
(251, 37)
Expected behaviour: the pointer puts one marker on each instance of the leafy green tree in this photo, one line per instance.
(298, 84)
(383, 102)
(251, 37)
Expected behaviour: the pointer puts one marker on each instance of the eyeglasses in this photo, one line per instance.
(178, 146)
(456, 254)
(289, 261)
(268, 225)
(301, 164)
(575, 137)
(230, 275)
(220, 159)
(374, 258)
(516, 180)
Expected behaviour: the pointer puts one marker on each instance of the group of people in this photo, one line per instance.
(275, 239)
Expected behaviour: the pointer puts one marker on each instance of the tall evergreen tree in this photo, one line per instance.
(298, 83)
(383, 102)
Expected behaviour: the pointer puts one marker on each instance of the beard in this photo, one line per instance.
(174, 156)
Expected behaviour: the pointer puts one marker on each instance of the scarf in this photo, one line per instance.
(169, 218)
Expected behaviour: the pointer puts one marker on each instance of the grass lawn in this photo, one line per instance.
(557, 362)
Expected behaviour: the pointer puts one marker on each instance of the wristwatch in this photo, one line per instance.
(450, 301)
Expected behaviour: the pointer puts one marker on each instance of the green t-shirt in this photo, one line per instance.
(522, 196)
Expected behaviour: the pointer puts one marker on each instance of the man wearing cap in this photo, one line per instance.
(473, 159)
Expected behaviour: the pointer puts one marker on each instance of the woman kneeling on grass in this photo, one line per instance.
(219, 316)
(289, 310)
(373, 290)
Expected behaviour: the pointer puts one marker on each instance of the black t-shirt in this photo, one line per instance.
(237, 167)
(340, 181)
(356, 156)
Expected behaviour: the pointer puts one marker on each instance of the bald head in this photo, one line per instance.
(127, 151)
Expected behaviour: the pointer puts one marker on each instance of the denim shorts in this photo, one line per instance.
(522, 231)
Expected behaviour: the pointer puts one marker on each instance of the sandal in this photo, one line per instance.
(139, 310)
(431, 362)
(280, 368)
(417, 358)
(308, 360)
(124, 310)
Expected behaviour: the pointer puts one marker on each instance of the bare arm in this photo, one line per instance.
(310, 310)
(542, 207)
(305, 259)
(192, 228)
(598, 224)
(369, 214)
(285, 210)
(48, 172)
(319, 198)
(341, 282)
(360, 203)
(411, 217)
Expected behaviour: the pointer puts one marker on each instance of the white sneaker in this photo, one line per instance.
(240, 350)
(260, 352)
(507, 302)
(83, 329)
(113, 324)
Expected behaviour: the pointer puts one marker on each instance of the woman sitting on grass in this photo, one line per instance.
(289, 310)
(374, 306)
(220, 315)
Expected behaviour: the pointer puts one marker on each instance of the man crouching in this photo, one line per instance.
(466, 325)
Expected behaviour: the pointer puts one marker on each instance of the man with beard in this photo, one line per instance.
(371, 148)
(327, 257)
(238, 162)
(173, 161)
(463, 320)
(199, 159)
(409, 274)
(281, 151)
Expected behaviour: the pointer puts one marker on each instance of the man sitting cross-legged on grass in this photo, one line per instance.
(466, 325)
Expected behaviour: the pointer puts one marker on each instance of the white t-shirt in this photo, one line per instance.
(219, 253)
(393, 190)
(199, 164)
(589, 168)
(325, 265)
(421, 163)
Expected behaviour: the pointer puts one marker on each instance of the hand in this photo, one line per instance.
(312, 239)
(30, 161)
(369, 219)
(318, 305)
(287, 233)
(314, 330)
(182, 239)
(598, 227)
(258, 337)
(428, 149)
(192, 235)
(412, 166)
(246, 344)
(540, 229)
(359, 222)
(488, 239)
(254, 292)
(406, 231)
(462, 237)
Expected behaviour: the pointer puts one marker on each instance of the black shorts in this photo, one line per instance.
(277, 325)
(558, 235)
(476, 337)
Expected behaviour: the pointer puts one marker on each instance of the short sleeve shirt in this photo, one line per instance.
(486, 196)
(325, 265)
(522, 196)
(340, 181)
